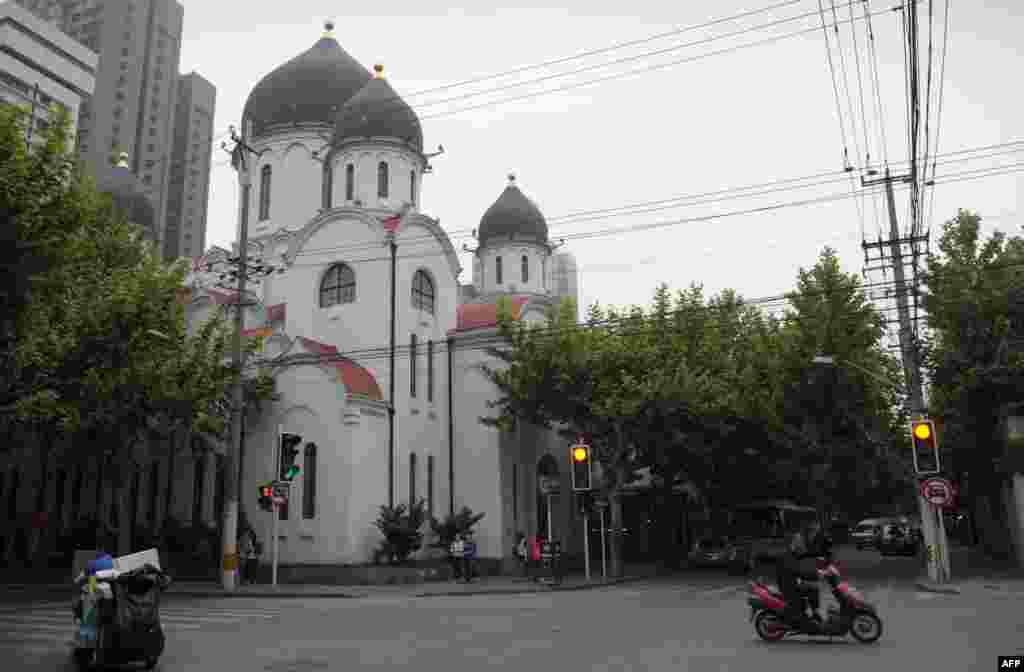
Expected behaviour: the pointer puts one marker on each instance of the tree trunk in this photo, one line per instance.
(39, 550)
(616, 567)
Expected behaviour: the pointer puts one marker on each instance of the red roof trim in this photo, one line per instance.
(356, 379)
(481, 315)
(276, 313)
(223, 296)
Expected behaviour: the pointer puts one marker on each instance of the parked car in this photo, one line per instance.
(710, 551)
(898, 539)
(865, 534)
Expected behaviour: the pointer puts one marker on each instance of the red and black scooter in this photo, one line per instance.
(855, 615)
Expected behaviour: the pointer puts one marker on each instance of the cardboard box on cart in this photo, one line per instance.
(127, 563)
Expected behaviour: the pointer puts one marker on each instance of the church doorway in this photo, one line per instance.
(548, 482)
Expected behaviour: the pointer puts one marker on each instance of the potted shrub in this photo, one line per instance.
(453, 525)
(400, 527)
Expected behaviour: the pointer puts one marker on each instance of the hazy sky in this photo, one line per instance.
(747, 117)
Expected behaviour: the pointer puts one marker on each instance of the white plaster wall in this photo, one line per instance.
(366, 157)
(296, 181)
(511, 274)
(477, 452)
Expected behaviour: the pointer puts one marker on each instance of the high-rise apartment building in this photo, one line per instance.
(42, 70)
(189, 184)
(132, 108)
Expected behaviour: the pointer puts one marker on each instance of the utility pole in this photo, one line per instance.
(232, 461)
(931, 523)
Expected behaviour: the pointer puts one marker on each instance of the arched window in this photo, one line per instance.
(350, 182)
(382, 179)
(423, 292)
(309, 482)
(337, 286)
(526, 268)
(412, 187)
(265, 193)
(497, 270)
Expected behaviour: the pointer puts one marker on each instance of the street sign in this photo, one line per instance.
(281, 490)
(550, 485)
(938, 491)
(280, 501)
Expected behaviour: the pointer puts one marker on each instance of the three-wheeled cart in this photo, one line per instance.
(117, 615)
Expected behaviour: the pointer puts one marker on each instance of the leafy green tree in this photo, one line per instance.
(102, 352)
(453, 525)
(974, 308)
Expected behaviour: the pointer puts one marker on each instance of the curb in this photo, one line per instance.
(322, 594)
(529, 590)
(929, 587)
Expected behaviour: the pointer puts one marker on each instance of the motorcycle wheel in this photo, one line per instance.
(865, 627)
(769, 626)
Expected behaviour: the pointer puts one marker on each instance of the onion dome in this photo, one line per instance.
(129, 196)
(376, 111)
(310, 88)
(513, 216)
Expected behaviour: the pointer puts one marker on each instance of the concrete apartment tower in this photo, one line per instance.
(42, 70)
(189, 184)
(132, 108)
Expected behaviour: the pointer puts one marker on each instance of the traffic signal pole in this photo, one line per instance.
(274, 509)
(932, 526)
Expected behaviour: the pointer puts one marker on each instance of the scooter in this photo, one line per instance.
(855, 615)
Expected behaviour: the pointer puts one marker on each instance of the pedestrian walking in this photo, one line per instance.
(250, 556)
(455, 555)
(522, 554)
(468, 556)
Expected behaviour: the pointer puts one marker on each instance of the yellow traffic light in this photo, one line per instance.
(923, 431)
(579, 454)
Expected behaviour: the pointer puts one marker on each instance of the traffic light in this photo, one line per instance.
(579, 456)
(926, 446)
(289, 451)
(266, 497)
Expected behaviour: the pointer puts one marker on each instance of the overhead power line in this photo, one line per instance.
(717, 196)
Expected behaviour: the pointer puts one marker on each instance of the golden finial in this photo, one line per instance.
(122, 160)
(328, 29)
(378, 71)
(511, 178)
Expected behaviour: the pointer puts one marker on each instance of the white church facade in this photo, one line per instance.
(330, 195)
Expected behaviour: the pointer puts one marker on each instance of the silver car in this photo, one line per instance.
(865, 534)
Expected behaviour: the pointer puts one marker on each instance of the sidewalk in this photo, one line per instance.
(490, 585)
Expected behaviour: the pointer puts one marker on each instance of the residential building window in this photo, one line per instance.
(265, 193)
(430, 486)
(338, 286)
(430, 370)
(412, 365)
(382, 179)
(526, 268)
(423, 292)
(497, 270)
(412, 480)
(152, 130)
(412, 187)
(151, 148)
(309, 482)
(350, 182)
(124, 52)
(117, 113)
(119, 95)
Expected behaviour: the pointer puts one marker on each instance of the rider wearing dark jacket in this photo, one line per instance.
(805, 545)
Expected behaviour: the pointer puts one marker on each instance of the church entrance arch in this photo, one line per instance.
(548, 483)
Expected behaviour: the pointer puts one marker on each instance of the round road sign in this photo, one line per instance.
(938, 491)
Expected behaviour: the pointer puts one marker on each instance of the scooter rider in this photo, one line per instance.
(805, 544)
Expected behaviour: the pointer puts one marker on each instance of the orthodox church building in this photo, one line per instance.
(375, 344)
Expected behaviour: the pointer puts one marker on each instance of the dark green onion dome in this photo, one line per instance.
(378, 112)
(129, 196)
(310, 88)
(513, 216)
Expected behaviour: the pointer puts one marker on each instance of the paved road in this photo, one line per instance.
(656, 625)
